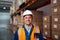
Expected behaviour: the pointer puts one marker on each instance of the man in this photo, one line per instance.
(28, 30)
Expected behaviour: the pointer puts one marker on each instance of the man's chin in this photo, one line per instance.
(28, 23)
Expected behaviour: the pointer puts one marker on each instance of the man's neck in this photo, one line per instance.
(28, 26)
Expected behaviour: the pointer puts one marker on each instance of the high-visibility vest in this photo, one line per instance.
(22, 35)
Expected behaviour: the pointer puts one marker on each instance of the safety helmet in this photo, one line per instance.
(27, 12)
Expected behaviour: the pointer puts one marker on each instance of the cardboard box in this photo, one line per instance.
(46, 33)
(56, 27)
(55, 35)
(46, 19)
(55, 10)
(56, 19)
(55, 3)
(46, 26)
(38, 18)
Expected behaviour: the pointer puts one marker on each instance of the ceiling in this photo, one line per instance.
(5, 3)
(33, 5)
(38, 4)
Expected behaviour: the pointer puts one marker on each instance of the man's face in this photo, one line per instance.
(28, 19)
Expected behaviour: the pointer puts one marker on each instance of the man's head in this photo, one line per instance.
(28, 17)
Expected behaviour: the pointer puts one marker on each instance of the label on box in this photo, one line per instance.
(56, 36)
(56, 19)
(46, 33)
(44, 37)
(45, 26)
(45, 18)
(55, 9)
(54, 1)
(55, 26)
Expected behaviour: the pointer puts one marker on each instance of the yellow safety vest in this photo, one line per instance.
(22, 36)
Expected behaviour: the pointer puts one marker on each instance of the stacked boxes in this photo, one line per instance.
(56, 35)
(56, 26)
(55, 4)
(38, 18)
(17, 22)
(56, 10)
(47, 26)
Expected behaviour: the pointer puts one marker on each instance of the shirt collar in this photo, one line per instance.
(27, 28)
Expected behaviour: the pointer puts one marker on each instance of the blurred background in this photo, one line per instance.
(46, 17)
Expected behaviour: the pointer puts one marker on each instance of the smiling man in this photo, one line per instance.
(28, 30)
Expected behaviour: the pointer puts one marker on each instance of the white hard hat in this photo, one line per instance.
(26, 12)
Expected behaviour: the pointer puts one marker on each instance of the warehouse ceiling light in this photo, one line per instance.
(4, 7)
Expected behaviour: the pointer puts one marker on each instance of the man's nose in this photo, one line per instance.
(28, 19)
